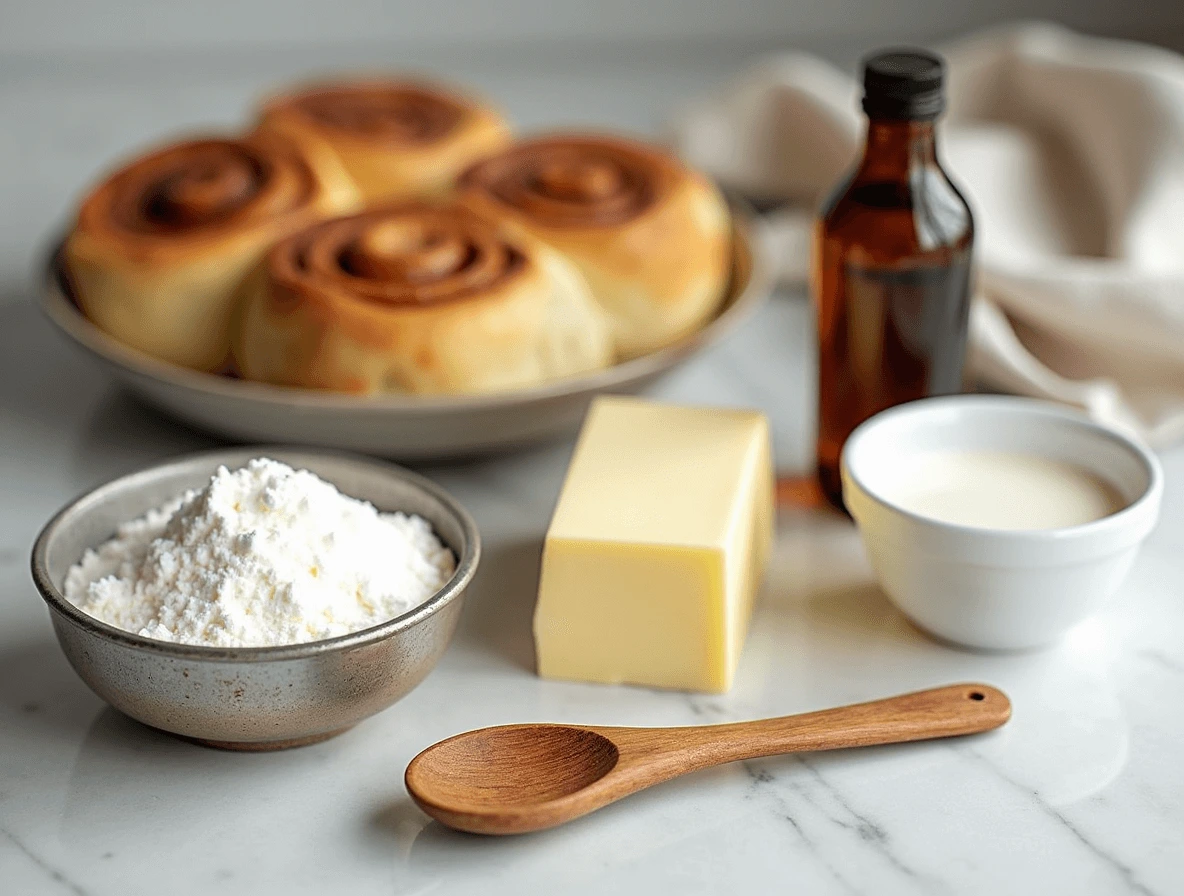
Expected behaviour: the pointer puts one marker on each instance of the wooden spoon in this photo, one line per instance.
(517, 778)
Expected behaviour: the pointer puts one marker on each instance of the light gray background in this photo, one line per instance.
(66, 26)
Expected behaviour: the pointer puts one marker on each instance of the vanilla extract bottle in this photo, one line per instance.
(890, 275)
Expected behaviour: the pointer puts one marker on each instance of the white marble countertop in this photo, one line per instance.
(1082, 793)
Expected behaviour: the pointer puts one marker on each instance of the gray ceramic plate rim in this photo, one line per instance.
(466, 566)
(61, 310)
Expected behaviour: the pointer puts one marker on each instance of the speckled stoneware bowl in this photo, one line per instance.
(254, 698)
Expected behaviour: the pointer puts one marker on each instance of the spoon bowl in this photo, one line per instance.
(483, 768)
(512, 779)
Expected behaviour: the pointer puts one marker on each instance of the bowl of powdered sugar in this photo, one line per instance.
(257, 599)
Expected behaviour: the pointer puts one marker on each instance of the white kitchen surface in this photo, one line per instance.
(1082, 793)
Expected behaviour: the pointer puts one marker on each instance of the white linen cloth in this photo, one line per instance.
(1070, 150)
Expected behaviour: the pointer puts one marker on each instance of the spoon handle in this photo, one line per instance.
(939, 712)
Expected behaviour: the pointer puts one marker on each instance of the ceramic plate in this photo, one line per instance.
(401, 427)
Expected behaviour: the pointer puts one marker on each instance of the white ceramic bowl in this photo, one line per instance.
(993, 588)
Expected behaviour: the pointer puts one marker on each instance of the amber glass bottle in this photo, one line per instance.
(891, 263)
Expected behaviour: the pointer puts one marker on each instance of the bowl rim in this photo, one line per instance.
(1130, 514)
(749, 255)
(466, 566)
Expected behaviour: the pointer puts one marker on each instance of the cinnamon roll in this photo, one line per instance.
(160, 247)
(398, 140)
(417, 299)
(651, 237)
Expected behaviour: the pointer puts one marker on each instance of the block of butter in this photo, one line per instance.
(657, 547)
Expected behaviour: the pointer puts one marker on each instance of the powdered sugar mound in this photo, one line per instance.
(264, 555)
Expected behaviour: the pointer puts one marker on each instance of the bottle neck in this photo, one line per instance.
(896, 148)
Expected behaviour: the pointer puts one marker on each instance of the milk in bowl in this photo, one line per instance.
(998, 522)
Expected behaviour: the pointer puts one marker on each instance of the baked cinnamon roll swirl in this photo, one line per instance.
(651, 237)
(161, 246)
(417, 299)
(398, 140)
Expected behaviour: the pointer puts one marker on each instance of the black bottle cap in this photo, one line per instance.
(903, 84)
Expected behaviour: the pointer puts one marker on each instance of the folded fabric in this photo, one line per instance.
(1071, 152)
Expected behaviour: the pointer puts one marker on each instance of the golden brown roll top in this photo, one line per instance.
(652, 237)
(160, 247)
(398, 140)
(421, 299)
